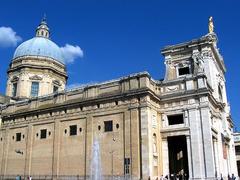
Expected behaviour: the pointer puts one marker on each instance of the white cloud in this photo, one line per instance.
(73, 86)
(8, 37)
(71, 53)
(79, 85)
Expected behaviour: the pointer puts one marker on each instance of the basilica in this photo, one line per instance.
(134, 127)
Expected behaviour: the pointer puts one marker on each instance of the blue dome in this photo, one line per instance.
(39, 46)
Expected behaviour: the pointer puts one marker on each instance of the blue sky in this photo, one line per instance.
(119, 37)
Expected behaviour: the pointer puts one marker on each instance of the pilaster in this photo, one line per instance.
(27, 171)
(56, 144)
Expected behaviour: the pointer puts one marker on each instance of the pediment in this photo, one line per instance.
(56, 82)
(14, 79)
(35, 77)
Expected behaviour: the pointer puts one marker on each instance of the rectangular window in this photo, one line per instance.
(34, 89)
(175, 119)
(108, 126)
(237, 150)
(73, 130)
(18, 136)
(55, 89)
(43, 134)
(14, 89)
(183, 71)
(126, 165)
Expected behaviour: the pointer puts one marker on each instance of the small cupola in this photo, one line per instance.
(43, 30)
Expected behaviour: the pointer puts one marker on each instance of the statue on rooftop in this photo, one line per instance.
(210, 25)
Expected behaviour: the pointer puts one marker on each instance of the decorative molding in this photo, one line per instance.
(15, 79)
(172, 88)
(56, 82)
(35, 77)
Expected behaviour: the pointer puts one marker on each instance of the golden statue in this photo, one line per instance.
(210, 25)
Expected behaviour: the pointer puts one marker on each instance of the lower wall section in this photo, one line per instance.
(64, 147)
(42, 149)
(72, 148)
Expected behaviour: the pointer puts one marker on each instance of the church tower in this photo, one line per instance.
(37, 67)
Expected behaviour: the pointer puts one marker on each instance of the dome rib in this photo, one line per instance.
(39, 46)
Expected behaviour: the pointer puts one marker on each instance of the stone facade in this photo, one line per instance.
(237, 150)
(140, 123)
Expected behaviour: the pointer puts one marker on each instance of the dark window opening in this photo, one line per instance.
(126, 165)
(23, 136)
(37, 134)
(108, 126)
(13, 137)
(55, 89)
(175, 119)
(65, 131)
(1, 139)
(14, 89)
(220, 93)
(43, 134)
(237, 150)
(80, 129)
(18, 136)
(99, 128)
(73, 130)
(183, 71)
(49, 133)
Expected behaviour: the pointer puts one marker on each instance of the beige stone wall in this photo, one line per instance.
(72, 148)
(88, 108)
(41, 156)
(15, 153)
(62, 154)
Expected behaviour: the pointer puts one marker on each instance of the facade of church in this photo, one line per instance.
(144, 128)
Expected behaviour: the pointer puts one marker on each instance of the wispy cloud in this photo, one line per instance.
(8, 37)
(79, 85)
(73, 86)
(71, 53)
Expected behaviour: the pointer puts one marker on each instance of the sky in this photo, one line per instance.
(108, 39)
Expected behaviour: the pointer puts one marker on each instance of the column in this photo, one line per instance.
(189, 154)
(196, 144)
(134, 143)
(215, 157)
(207, 142)
(165, 158)
(146, 144)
